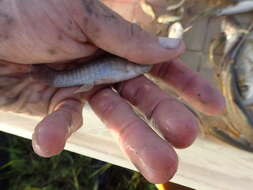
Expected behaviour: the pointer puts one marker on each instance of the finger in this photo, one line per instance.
(191, 87)
(51, 133)
(153, 156)
(176, 123)
(109, 31)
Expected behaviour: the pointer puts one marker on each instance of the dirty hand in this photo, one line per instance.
(60, 31)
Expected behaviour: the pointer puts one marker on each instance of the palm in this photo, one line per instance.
(17, 90)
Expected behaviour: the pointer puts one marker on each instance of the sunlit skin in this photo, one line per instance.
(60, 33)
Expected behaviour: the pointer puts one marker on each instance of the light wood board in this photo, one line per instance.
(205, 166)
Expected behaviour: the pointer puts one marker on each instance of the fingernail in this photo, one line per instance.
(169, 43)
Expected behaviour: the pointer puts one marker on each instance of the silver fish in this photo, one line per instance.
(148, 9)
(241, 7)
(176, 6)
(105, 70)
(244, 70)
(166, 19)
(176, 30)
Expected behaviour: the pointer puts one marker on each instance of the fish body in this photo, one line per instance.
(176, 6)
(176, 30)
(241, 7)
(243, 66)
(148, 9)
(232, 32)
(105, 70)
(167, 18)
(244, 69)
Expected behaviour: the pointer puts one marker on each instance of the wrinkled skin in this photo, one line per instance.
(60, 33)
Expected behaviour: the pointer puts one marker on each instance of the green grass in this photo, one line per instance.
(23, 170)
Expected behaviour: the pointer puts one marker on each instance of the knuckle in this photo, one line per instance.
(128, 128)
(136, 89)
(163, 71)
(134, 31)
(189, 83)
(106, 103)
(157, 107)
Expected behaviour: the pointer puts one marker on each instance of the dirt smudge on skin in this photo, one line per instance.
(6, 23)
(60, 37)
(96, 13)
(6, 19)
(52, 51)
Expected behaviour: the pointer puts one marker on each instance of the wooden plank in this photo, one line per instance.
(206, 165)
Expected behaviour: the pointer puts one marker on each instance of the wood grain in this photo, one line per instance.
(206, 165)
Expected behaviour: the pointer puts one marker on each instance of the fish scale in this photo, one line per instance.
(105, 70)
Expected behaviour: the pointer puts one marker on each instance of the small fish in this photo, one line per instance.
(176, 30)
(244, 70)
(166, 19)
(241, 7)
(148, 9)
(232, 32)
(105, 70)
(176, 6)
(243, 55)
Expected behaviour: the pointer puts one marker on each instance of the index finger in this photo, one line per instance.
(191, 86)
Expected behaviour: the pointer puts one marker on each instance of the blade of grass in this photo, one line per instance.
(100, 170)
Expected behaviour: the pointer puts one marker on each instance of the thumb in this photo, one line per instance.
(109, 31)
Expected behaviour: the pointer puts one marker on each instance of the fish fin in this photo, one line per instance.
(84, 88)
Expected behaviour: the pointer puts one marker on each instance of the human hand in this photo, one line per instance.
(58, 32)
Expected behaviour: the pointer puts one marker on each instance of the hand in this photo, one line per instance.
(59, 32)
